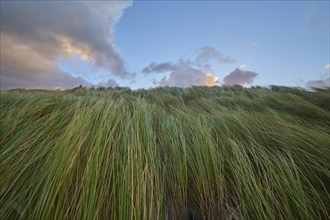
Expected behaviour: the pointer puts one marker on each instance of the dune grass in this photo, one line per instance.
(165, 153)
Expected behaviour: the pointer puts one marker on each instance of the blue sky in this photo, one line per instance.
(273, 39)
(267, 42)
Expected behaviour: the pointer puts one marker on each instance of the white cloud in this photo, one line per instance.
(182, 74)
(243, 66)
(187, 77)
(154, 67)
(323, 81)
(187, 73)
(318, 83)
(239, 77)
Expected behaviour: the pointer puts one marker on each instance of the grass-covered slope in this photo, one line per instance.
(199, 153)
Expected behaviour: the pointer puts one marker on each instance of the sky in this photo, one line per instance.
(145, 44)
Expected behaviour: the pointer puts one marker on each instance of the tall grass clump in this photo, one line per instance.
(165, 153)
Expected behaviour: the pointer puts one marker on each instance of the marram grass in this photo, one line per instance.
(166, 153)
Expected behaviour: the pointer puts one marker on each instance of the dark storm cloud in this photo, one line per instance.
(239, 77)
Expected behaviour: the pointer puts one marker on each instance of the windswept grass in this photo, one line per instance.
(165, 153)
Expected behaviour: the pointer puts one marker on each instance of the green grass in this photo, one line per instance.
(165, 153)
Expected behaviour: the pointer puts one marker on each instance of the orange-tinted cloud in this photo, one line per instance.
(182, 74)
(36, 35)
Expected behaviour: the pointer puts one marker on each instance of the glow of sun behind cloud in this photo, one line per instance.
(210, 80)
(72, 49)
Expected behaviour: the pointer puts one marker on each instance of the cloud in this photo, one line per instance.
(159, 67)
(239, 77)
(22, 68)
(315, 18)
(185, 75)
(155, 68)
(242, 66)
(318, 83)
(182, 74)
(323, 81)
(206, 54)
(52, 80)
(107, 83)
(35, 35)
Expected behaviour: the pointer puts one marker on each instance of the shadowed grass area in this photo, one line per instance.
(165, 153)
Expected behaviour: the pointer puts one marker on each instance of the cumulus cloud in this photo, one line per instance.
(239, 77)
(318, 83)
(206, 54)
(52, 80)
(187, 77)
(327, 66)
(35, 35)
(159, 67)
(107, 83)
(186, 73)
(22, 68)
(323, 81)
(155, 68)
(243, 66)
(182, 74)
